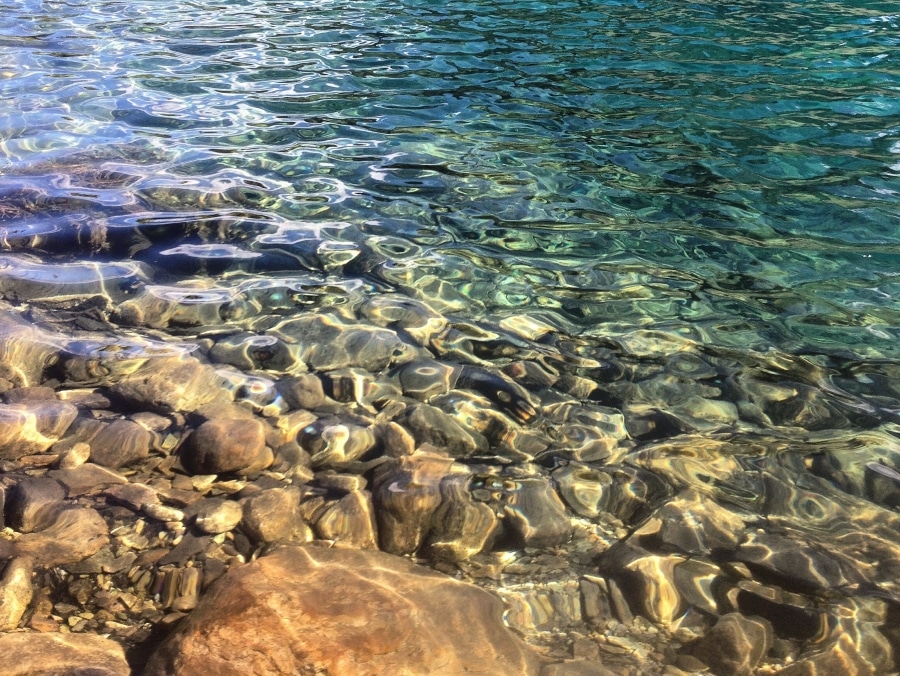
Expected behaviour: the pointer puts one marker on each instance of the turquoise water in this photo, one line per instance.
(692, 207)
(728, 170)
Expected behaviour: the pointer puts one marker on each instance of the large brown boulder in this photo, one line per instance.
(32, 654)
(312, 610)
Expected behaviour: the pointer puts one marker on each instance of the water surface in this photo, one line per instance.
(699, 200)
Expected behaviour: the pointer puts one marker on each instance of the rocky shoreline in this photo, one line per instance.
(621, 536)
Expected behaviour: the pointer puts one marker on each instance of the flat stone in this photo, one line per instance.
(344, 483)
(191, 545)
(578, 668)
(133, 495)
(162, 512)
(312, 610)
(119, 443)
(167, 385)
(39, 654)
(225, 445)
(86, 478)
(103, 561)
(76, 534)
(29, 395)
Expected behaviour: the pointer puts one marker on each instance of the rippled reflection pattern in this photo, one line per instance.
(646, 249)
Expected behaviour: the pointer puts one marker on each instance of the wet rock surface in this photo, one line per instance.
(318, 610)
(37, 654)
(640, 501)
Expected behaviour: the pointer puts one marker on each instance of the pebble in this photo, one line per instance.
(161, 512)
(218, 516)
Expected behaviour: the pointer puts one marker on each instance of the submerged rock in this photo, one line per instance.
(837, 657)
(33, 427)
(217, 515)
(735, 645)
(536, 515)
(794, 561)
(694, 524)
(331, 443)
(406, 492)
(166, 385)
(339, 611)
(76, 534)
(39, 654)
(430, 425)
(226, 445)
(34, 503)
(328, 342)
(350, 522)
(120, 443)
(303, 391)
(273, 515)
(461, 527)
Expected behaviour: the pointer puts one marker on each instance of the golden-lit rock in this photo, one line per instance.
(340, 611)
(31, 428)
(38, 654)
(15, 592)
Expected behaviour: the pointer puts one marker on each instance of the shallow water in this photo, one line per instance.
(691, 207)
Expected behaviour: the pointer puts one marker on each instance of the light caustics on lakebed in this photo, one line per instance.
(642, 255)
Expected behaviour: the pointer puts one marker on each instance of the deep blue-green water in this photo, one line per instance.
(728, 170)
